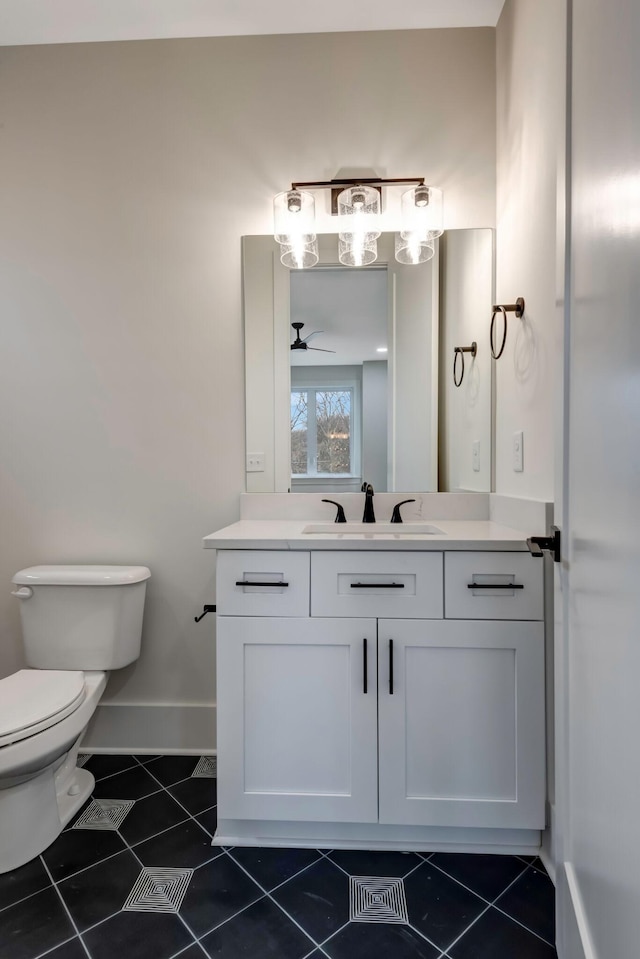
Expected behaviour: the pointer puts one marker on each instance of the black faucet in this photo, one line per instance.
(368, 516)
(395, 516)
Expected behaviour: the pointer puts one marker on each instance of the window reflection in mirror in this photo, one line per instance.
(338, 421)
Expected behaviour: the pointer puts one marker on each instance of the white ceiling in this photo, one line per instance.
(77, 21)
(348, 306)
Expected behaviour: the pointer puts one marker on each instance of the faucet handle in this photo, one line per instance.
(340, 517)
(395, 516)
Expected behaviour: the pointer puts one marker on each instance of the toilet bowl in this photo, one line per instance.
(78, 623)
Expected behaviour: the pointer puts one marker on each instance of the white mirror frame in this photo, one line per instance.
(413, 419)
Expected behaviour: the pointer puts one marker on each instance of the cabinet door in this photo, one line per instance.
(297, 719)
(462, 732)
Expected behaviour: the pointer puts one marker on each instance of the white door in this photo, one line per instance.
(461, 723)
(599, 700)
(297, 719)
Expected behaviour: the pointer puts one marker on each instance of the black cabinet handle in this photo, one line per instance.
(495, 586)
(364, 666)
(377, 585)
(245, 582)
(391, 667)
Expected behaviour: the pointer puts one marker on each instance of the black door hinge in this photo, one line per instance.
(537, 544)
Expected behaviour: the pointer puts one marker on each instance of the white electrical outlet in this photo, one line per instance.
(518, 452)
(475, 456)
(255, 462)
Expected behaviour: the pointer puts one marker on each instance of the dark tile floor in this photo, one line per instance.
(135, 876)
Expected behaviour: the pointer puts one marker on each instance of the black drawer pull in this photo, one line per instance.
(377, 585)
(244, 582)
(391, 667)
(495, 586)
(364, 665)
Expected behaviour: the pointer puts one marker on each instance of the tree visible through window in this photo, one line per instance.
(321, 431)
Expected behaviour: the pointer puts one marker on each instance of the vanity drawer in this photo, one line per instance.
(403, 585)
(507, 586)
(281, 578)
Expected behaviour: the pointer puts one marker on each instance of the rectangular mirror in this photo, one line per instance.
(361, 387)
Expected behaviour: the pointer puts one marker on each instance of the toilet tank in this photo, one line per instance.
(81, 617)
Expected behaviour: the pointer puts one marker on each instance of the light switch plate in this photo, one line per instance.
(255, 462)
(475, 456)
(518, 452)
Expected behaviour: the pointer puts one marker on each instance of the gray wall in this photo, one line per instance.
(129, 172)
(530, 63)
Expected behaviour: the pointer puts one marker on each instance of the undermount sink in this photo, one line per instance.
(375, 529)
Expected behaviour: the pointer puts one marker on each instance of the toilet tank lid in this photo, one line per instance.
(81, 575)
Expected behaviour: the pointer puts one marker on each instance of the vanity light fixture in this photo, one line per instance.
(294, 215)
(357, 203)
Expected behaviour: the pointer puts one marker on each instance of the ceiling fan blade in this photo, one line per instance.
(319, 349)
(310, 336)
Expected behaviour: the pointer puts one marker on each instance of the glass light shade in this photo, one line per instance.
(301, 255)
(357, 250)
(359, 212)
(422, 212)
(413, 249)
(294, 217)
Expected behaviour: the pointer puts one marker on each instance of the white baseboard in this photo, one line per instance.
(146, 729)
(574, 937)
(547, 844)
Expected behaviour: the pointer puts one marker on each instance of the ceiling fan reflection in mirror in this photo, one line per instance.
(303, 344)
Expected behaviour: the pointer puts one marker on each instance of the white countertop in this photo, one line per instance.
(287, 534)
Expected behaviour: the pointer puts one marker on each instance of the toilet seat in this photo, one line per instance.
(32, 700)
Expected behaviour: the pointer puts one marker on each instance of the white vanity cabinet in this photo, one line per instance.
(391, 690)
(461, 723)
(297, 719)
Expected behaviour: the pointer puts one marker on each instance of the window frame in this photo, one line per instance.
(354, 387)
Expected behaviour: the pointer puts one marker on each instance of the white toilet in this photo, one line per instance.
(78, 622)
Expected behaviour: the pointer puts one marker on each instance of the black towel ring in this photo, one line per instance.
(459, 351)
(518, 309)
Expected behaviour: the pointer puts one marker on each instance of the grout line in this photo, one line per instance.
(333, 935)
(275, 901)
(171, 796)
(66, 909)
(176, 955)
(41, 955)
(224, 921)
(99, 779)
(465, 931)
(417, 931)
(508, 914)
(138, 842)
(191, 933)
(424, 857)
(289, 878)
(489, 904)
(98, 798)
(24, 898)
(91, 865)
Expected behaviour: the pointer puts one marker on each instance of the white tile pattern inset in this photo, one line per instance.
(207, 768)
(104, 814)
(158, 890)
(377, 899)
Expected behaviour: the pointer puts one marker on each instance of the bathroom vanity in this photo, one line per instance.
(380, 688)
